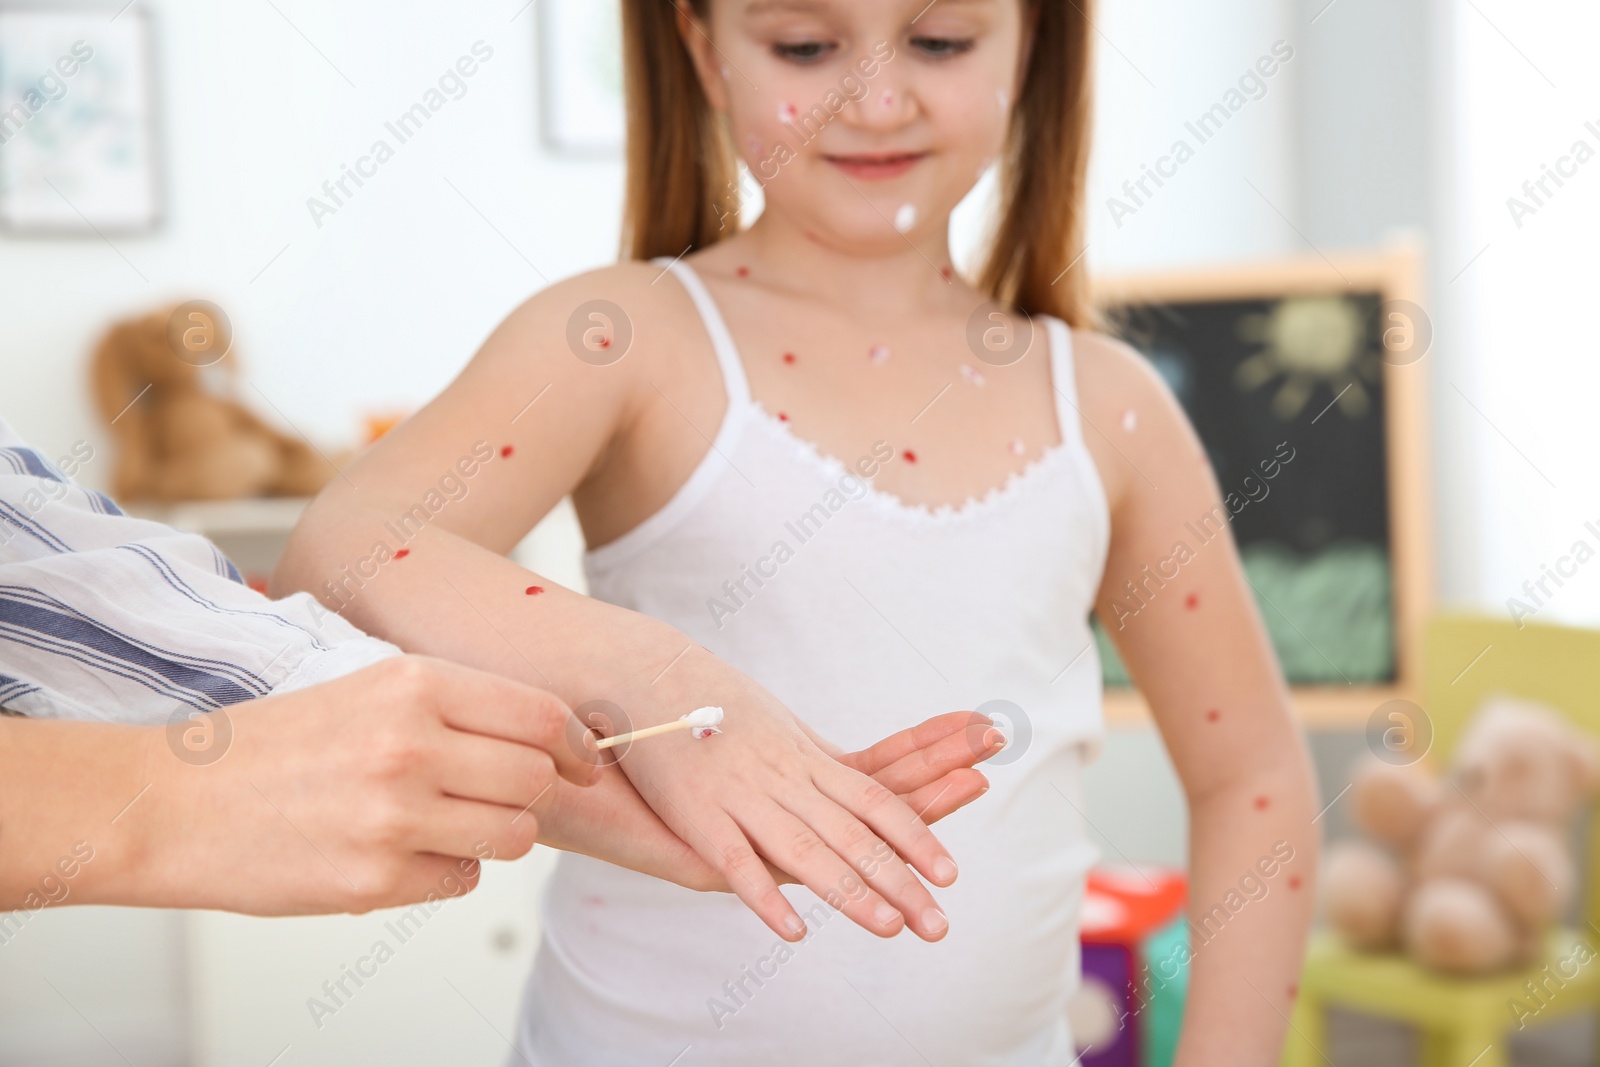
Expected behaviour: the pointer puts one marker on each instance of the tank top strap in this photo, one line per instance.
(1065, 381)
(733, 379)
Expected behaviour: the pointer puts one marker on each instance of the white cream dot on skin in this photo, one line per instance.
(879, 353)
(703, 722)
(1016, 446)
(787, 113)
(906, 217)
(1003, 100)
(1130, 420)
(971, 374)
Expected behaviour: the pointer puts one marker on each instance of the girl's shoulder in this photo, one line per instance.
(637, 289)
(1131, 419)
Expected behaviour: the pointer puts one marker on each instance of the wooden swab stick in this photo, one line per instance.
(703, 722)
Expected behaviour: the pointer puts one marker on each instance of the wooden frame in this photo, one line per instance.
(1395, 272)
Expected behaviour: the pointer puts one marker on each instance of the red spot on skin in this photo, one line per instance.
(1261, 803)
(743, 272)
(1213, 715)
(505, 451)
(911, 457)
(788, 357)
(782, 417)
(605, 342)
(1294, 881)
(1191, 601)
(944, 272)
(402, 554)
(1294, 991)
(534, 590)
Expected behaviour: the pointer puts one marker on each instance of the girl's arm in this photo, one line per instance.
(409, 545)
(1188, 630)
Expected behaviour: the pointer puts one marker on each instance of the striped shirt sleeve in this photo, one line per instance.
(109, 617)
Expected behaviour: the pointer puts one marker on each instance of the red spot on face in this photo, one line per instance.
(782, 417)
(743, 272)
(1294, 991)
(911, 457)
(1191, 601)
(944, 272)
(402, 554)
(505, 451)
(1294, 881)
(1261, 803)
(605, 342)
(1213, 715)
(788, 357)
(534, 590)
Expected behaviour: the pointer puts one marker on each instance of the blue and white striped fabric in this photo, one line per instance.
(104, 616)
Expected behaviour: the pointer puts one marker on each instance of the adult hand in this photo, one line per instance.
(369, 791)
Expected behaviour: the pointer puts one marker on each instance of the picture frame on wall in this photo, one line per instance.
(580, 77)
(1306, 381)
(77, 122)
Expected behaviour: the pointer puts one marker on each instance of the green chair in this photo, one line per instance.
(1468, 1022)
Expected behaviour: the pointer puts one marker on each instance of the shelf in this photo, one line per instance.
(224, 518)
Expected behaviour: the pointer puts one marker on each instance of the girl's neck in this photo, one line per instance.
(902, 276)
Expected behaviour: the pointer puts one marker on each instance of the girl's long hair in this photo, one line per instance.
(682, 189)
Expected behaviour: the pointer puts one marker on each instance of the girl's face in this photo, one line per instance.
(865, 121)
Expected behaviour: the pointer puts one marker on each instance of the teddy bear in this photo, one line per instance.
(1467, 873)
(179, 435)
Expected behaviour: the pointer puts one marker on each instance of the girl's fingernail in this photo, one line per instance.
(934, 922)
(794, 925)
(944, 870)
(886, 915)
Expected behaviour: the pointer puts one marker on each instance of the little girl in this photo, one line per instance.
(835, 486)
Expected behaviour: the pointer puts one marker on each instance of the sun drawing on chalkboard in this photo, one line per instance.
(1310, 341)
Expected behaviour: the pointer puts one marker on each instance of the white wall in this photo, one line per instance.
(381, 305)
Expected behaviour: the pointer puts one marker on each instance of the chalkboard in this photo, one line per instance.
(1302, 381)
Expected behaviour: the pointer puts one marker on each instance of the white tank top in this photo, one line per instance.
(877, 616)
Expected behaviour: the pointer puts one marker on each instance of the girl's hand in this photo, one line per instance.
(762, 792)
(929, 766)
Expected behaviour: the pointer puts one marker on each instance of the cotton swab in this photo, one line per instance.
(701, 723)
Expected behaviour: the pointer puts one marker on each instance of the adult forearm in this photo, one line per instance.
(67, 835)
(1253, 860)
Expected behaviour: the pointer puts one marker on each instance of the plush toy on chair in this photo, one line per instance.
(1468, 874)
(180, 440)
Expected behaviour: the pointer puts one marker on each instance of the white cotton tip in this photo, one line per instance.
(906, 217)
(703, 722)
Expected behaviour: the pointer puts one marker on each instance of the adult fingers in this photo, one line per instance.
(898, 746)
(870, 858)
(418, 878)
(470, 829)
(951, 793)
(474, 767)
(971, 744)
(796, 848)
(494, 706)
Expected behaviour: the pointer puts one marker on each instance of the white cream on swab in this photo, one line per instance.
(701, 724)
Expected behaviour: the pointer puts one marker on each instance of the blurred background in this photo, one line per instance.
(188, 159)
